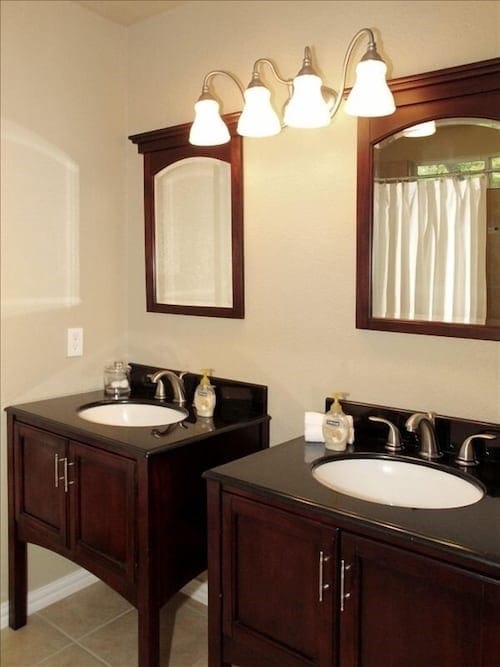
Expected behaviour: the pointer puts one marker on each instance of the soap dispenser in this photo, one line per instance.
(336, 425)
(204, 396)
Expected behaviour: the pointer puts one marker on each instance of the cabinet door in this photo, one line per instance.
(103, 514)
(40, 499)
(278, 580)
(405, 610)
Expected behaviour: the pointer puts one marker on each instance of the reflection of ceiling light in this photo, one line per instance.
(310, 104)
(420, 130)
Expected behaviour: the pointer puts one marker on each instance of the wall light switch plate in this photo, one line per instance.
(74, 342)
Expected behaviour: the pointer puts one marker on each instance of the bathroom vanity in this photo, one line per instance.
(126, 503)
(303, 575)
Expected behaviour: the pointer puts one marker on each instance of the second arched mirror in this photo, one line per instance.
(428, 207)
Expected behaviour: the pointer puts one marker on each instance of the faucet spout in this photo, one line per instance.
(175, 381)
(423, 424)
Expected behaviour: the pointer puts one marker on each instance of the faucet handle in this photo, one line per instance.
(465, 455)
(393, 443)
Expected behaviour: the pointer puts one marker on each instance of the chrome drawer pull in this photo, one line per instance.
(56, 471)
(322, 586)
(343, 596)
(57, 462)
(66, 482)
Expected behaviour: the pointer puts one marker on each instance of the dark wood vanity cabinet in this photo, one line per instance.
(128, 505)
(278, 576)
(77, 500)
(290, 589)
(407, 610)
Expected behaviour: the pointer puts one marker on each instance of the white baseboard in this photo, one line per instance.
(76, 581)
(53, 592)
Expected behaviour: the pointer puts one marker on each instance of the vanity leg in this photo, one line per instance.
(18, 588)
(148, 606)
(18, 562)
(149, 636)
(214, 525)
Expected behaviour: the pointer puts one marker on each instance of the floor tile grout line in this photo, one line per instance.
(90, 632)
(92, 653)
(103, 625)
(73, 643)
(76, 642)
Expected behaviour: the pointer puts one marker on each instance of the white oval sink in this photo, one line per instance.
(398, 483)
(132, 414)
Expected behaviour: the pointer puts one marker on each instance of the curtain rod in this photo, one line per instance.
(423, 177)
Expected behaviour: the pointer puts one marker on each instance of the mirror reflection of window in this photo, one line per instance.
(193, 254)
(436, 225)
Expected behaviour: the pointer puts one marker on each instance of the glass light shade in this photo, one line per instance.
(421, 130)
(208, 128)
(370, 96)
(258, 118)
(307, 107)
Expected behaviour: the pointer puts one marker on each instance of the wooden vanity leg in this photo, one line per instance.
(149, 636)
(147, 577)
(18, 590)
(18, 563)
(214, 525)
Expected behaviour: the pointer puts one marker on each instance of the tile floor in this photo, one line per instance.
(97, 627)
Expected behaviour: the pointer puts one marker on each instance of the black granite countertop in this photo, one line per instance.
(61, 415)
(283, 472)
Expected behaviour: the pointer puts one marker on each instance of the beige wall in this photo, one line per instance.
(63, 230)
(64, 85)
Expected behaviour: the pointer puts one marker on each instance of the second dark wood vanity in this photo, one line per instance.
(301, 575)
(128, 504)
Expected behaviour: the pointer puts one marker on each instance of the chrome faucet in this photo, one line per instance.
(175, 381)
(423, 424)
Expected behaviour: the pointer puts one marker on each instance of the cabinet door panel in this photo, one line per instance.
(406, 610)
(40, 498)
(490, 626)
(102, 491)
(272, 576)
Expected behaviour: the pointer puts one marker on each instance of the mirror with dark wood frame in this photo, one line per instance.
(193, 211)
(408, 244)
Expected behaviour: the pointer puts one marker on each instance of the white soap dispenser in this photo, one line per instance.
(204, 396)
(336, 426)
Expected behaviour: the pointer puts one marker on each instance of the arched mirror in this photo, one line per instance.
(193, 207)
(428, 241)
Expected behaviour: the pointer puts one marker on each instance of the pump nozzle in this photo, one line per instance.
(205, 380)
(337, 395)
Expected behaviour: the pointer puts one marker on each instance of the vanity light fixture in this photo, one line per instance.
(310, 103)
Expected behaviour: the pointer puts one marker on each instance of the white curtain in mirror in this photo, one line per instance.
(429, 250)
(193, 233)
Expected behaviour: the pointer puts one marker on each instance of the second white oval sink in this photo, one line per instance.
(399, 483)
(132, 414)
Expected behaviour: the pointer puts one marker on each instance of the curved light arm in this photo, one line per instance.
(210, 75)
(274, 70)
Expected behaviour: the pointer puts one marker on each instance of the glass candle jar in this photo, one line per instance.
(116, 380)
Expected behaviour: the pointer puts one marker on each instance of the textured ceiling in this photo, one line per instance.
(128, 12)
